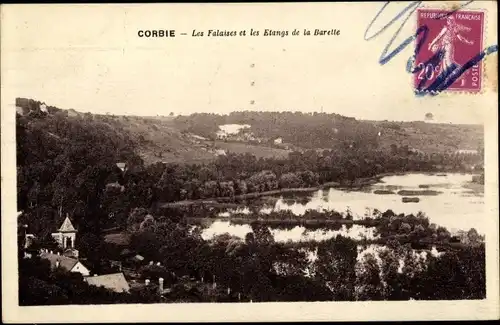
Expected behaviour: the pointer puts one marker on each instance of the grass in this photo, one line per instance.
(431, 137)
(257, 150)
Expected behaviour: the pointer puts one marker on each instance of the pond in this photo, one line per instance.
(448, 200)
(296, 234)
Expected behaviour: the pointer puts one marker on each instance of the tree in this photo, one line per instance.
(335, 266)
(290, 180)
(49, 243)
(136, 216)
(368, 281)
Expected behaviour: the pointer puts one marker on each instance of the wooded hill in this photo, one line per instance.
(174, 139)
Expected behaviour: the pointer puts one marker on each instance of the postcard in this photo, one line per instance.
(249, 162)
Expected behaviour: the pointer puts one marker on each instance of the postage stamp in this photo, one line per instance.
(450, 41)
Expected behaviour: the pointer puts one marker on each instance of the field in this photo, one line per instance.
(258, 151)
(430, 137)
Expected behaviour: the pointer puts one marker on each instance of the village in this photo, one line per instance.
(130, 273)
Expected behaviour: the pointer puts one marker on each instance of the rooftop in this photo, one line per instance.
(115, 282)
(67, 263)
(67, 226)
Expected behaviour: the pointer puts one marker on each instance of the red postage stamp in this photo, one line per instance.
(450, 42)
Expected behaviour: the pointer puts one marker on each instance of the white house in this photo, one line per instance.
(43, 108)
(221, 135)
(65, 263)
(467, 152)
(220, 152)
(122, 166)
(278, 141)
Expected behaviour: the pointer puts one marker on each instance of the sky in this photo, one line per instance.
(90, 58)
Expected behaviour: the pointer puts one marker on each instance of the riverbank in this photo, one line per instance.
(231, 201)
(228, 201)
(304, 222)
(418, 244)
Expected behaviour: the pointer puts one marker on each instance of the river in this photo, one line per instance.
(454, 203)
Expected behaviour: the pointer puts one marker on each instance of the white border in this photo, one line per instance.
(322, 311)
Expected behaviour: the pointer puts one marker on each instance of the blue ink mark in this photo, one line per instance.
(389, 23)
(446, 78)
(434, 60)
(450, 75)
(411, 60)
(384, 59)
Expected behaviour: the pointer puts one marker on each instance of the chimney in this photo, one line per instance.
(160, 281)
(146, 282)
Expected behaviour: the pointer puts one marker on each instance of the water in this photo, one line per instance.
(456, 207)
(296, 234)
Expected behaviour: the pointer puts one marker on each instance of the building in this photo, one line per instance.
(416, 151)
(122, 166)
(65, 263)
(221, 135)
(43, 108)
(115, 282)
(20, 110)
(220, 152)
(278, 141)
(28, 241)
(116, 186)
(197, 137)
(466, 152)
(66, 237)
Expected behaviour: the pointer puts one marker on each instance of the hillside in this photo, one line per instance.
(431, 137)
(194, 139)
(153, 140)
(333, 131)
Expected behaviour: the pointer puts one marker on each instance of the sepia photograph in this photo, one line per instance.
(238, 162)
